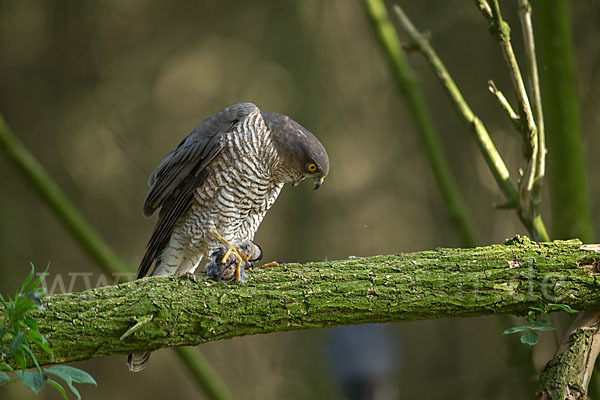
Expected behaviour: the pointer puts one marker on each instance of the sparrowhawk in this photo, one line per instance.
(215, 187)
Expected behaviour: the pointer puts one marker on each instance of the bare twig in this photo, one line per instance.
(485, 143)
(533, 223)
(533, 84)
(528, 194)
(514, 117)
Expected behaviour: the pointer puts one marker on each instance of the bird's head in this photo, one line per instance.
(300, 152)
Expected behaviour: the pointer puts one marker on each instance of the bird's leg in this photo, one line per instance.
(232, 250)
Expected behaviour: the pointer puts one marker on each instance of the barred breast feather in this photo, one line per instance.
(240, 187)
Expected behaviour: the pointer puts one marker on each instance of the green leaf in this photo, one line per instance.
(541, 322)
(21, 360)
(70, 375)
(58, 387)
(5, 378)
(27, 351)
(16, 343)
(31, 323)
(5, 367)
(515, 329)
(530, 338)
(34, 336)
(28, 279)
(542, 328)
(530, 318)
(34, 380)
(561, 307)
(37, 338)
(44, 345)
(41, 341)
(75, 374)
(22, 306)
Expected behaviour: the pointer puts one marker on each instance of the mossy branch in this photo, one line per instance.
(182, 310)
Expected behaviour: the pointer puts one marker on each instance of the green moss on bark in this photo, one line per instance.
(499, 279)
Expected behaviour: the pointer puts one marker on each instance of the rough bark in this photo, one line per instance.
(158, 312)
(568, 374)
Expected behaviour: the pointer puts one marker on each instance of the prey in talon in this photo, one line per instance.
(231, 261)
(214, 189)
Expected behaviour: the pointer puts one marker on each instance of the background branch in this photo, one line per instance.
(568, 189)
(569, 193)
(409, 87)
(180, 310)
(534, 224)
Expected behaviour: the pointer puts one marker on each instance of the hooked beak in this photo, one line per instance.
(318, 182)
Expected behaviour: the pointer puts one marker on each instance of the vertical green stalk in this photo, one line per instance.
(566, 166)
(93, 245)
(569, 196)
(408, 86)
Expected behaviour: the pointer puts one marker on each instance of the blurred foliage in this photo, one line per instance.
(101, 91)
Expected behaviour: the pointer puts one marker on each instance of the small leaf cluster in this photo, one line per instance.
(19, 332)
(538, 319)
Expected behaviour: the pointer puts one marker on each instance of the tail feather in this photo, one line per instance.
(138, 361)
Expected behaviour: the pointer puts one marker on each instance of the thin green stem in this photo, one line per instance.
(501, 31)
(477, 128)
(202, 372)
(512, 115)
(91, 242)
(408, 86)
(480, 134)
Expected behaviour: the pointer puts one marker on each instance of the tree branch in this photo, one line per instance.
(568, 374)
(181, 310)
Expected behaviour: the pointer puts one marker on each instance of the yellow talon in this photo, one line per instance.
(231, 249)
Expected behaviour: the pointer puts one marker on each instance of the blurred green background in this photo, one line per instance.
(100, 91)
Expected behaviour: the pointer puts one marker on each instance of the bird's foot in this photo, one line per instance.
(223, 267)
(266, 265)
(232, 260)
(239, 257)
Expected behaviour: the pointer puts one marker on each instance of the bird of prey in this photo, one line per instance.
(214, 189)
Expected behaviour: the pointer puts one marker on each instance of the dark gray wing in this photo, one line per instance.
(173, 182)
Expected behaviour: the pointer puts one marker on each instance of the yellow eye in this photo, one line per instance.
(311, 167)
